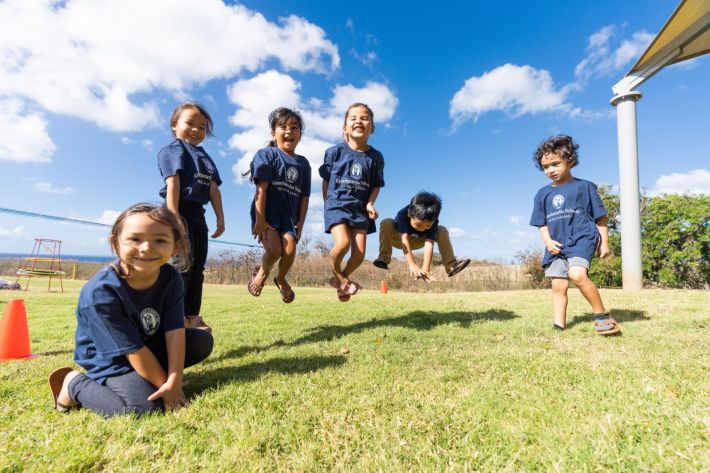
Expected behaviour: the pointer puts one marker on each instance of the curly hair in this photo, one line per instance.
(562, 145)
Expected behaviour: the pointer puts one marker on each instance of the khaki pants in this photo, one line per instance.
(389, 237)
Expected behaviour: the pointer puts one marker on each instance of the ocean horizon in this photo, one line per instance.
(79, 258)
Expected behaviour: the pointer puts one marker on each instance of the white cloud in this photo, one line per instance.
(602, 60)
(108, 217)
(147, 144)
(28, 141)
(520, 90)
(126, 140)
(514, 219)
(12, 232)
(455, 232)
(692, 182)
(91, 59)
(256, 97)
(49, 188)
(512, 89)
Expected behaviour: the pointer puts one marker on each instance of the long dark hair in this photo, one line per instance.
(280, 116)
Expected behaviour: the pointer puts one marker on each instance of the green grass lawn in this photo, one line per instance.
(403, 381)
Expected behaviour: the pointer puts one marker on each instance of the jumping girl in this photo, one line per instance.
(278, 212)
(353, 173)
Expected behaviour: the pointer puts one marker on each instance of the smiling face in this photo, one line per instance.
(420, 225)
(556, 168)
(143, 246)
(287, 135)
(358, 124)
(190, 126)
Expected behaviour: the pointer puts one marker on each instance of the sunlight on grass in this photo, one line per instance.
(393, 382)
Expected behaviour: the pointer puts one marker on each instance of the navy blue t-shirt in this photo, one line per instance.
(352, 176)
(289, 179)
(113, 319)
(570, 212)
(403, 224)
(196, 168)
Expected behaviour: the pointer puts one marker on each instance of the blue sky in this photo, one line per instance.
(462, 91)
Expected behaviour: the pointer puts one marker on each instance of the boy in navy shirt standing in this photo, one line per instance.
(572, 222)
(417, 226)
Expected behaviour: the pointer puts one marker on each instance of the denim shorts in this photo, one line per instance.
(559, 268)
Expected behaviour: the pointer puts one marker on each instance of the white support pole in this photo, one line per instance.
(629, 195)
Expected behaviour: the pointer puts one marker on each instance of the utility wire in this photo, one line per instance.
(96, 224)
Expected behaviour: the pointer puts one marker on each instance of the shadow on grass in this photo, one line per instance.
(253, 371)
(56, 352)
(620, 316)
(418, 320)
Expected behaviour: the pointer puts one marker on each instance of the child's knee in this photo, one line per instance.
(272, 249)
(578, 275)
(442, 232)
(387, 225)
(559, 285)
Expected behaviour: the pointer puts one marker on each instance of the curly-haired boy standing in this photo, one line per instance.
(572, 222)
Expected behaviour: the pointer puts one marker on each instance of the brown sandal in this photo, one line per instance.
(458, 267)
(56, 381)
(286, 296)
(254, 288)
(335, 284)
(599, 324)
(196, 321)
(347, 287)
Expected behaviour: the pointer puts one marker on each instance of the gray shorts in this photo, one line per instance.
(559, 268)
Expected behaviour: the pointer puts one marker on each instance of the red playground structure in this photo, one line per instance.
(45, 260)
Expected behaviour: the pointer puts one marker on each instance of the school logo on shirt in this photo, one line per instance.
(558, 201)
(150, 320)
(291, 174)
(208, 166)
(356, 171)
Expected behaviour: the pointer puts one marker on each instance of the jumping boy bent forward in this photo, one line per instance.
(572, 222)
(414, 227)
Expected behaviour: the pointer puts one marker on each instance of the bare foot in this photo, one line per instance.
(63, 397)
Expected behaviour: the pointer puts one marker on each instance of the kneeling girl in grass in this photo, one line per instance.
(278, 211)
(130, 336)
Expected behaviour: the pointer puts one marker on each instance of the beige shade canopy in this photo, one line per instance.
(687, 30)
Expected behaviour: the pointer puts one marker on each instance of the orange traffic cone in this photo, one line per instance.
(14, 334)
(383, 286)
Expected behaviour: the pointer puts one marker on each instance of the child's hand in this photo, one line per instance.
(604, 250)
(371, 211)
(298, 226)
(259, 228)
(554, 247)
(220, 228)
(426, 277)
(416, 271)
(171, 394)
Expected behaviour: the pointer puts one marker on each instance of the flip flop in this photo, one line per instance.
(458, 267)
(342, 297)
(254, 288)
(286, 296)
(348, 287)
(607, 326)
(56, 381)
(196, 321)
